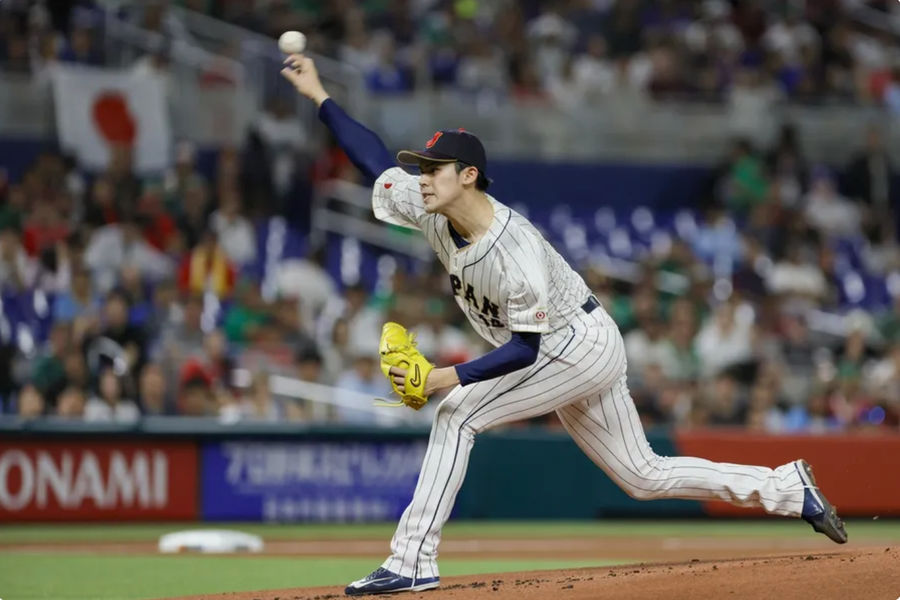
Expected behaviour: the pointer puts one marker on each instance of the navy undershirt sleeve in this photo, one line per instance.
(363, 146)
(518, 353)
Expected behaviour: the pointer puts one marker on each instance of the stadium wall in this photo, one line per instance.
(245, 473)
(537, 185)
(541, 185)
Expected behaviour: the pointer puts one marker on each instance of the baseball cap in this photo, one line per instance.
(449, 145)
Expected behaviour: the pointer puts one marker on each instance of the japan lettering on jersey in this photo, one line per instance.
(509, 280)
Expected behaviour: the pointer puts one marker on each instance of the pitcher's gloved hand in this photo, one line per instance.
(410, 367)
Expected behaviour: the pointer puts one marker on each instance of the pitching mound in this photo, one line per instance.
(838, 575)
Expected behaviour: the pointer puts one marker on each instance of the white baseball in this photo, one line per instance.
(292, 42)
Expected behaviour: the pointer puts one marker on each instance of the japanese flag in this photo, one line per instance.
(99, 108)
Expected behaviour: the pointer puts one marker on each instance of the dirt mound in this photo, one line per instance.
(842, 575)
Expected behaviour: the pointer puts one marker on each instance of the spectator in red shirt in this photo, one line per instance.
(44, 229)
(158, 228)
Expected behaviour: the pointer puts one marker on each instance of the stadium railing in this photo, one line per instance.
(213, 115)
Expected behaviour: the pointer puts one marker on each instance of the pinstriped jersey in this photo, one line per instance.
(510, 280)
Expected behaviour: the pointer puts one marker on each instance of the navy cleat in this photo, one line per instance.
(817, 510)
(382, 581)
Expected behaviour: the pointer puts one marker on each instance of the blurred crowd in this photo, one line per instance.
(123, 296)
(733, 322)
(570, 52)
(562, 52)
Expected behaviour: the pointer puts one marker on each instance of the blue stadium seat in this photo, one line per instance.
(604, 220)
(878, 296)
(685, 224)
(850, 249)
(642, 222)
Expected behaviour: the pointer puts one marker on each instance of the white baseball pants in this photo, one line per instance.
(580, 374)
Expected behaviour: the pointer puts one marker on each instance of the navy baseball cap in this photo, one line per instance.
(449, 145)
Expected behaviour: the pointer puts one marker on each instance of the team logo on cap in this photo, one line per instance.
(434, 139)
(540, 315)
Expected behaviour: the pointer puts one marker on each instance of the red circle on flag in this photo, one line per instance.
(113, 119)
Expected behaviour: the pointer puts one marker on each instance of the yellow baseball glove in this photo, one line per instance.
(398, 349)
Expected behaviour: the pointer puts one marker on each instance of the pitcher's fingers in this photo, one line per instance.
(291, 75)
(295, 60)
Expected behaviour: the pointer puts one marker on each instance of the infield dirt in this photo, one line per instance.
(870, 573)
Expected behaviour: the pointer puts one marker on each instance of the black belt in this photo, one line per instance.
(591, 304)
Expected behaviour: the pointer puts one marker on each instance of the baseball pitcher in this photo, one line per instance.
(557, 349)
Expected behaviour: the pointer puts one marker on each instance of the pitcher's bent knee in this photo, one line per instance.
(645, 483)
(642, 493)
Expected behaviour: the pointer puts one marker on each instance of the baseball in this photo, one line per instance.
(292, 42)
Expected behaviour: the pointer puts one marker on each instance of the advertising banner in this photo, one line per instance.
(857, 472)
(309, 481)
(97, 480)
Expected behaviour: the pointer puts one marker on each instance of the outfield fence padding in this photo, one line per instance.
(203, 470)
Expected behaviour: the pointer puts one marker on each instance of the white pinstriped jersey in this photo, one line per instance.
(511, 279)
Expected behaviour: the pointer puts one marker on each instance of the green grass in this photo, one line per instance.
(67, 577)
(17, 534)
(84, 576)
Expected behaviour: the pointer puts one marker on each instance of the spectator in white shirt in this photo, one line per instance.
(551, 36)
(236, 234)
(307, 280)
(157, 66)
(751, 102)
(113, 246)
(110, 404)
(594, 73)
(714, 31)
(565, 91)
(789, 36)
(795, 276)
(828, 211)
(726, 339)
